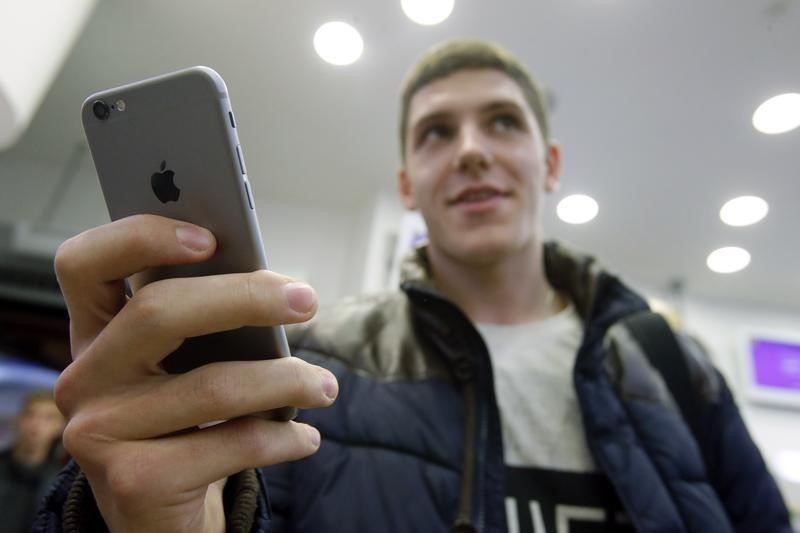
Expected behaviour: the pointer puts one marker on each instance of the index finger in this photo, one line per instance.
(90, 267)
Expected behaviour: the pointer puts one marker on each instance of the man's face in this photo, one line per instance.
(40, 423)
(476, 166)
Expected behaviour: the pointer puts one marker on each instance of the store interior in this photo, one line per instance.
(652, 104)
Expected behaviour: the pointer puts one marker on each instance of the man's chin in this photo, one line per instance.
(483, 253)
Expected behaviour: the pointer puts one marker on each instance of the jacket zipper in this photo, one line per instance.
(464, 369)
(463, 522)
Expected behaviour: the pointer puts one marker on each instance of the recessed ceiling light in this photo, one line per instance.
(427, 12)
(338, 43)
(779, 114)
(728, 260)
(743, 211)
(577, 209)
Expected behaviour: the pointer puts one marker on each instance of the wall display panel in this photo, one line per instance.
(770, 367)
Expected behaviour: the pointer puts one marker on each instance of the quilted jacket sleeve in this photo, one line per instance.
(735, 466)
(69, 506)
(51, 510)
(278, 480)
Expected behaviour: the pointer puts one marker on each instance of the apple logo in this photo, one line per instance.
(164, 186)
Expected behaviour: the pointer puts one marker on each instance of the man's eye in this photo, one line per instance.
(434, 133)
(505, 122)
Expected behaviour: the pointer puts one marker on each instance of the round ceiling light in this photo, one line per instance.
(427, 12)
(779, 114)
(743, 211)
(577, 209)
(338, 43)
(728, 260)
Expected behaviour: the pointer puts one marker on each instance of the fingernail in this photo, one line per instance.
(313, 435)
(194, 238)
(301, 297)
(329, 384)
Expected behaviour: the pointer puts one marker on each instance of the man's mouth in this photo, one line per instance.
(476, 195)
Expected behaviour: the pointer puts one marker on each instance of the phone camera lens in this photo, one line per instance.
(101, 110)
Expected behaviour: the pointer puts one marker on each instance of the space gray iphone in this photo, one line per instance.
(168, 146)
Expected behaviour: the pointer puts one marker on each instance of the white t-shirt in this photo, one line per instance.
(552, 483)
(532, 365)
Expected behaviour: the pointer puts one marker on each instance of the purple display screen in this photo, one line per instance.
(776, 364)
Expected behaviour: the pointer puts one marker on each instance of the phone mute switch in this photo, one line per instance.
(241, 159)
(249, 195)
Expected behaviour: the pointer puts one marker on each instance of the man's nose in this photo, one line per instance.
(474, 154)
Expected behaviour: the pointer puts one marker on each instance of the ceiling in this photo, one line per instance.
(651, 104)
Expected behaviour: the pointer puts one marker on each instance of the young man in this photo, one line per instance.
(28, 467)
(497, 391)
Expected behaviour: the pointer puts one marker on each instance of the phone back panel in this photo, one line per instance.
(179, 123)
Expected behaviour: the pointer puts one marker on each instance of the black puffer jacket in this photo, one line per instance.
(413, 444)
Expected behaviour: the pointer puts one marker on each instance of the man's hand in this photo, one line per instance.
(132, 427)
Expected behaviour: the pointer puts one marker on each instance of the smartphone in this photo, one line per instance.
(168, 146)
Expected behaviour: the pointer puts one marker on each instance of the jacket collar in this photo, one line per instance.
(575, 274)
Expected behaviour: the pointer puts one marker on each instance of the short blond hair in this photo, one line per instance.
(453, 56)
(37, 395)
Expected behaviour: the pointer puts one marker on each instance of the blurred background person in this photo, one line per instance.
(28, 466)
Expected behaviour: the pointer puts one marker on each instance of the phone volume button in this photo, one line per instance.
(249, 195)
(241, 159)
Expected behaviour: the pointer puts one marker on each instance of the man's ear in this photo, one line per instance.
(551, 181)
(404, 189)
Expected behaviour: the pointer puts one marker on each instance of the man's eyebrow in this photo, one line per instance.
(498, 105)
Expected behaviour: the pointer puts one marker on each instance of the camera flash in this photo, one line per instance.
(120, 105)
